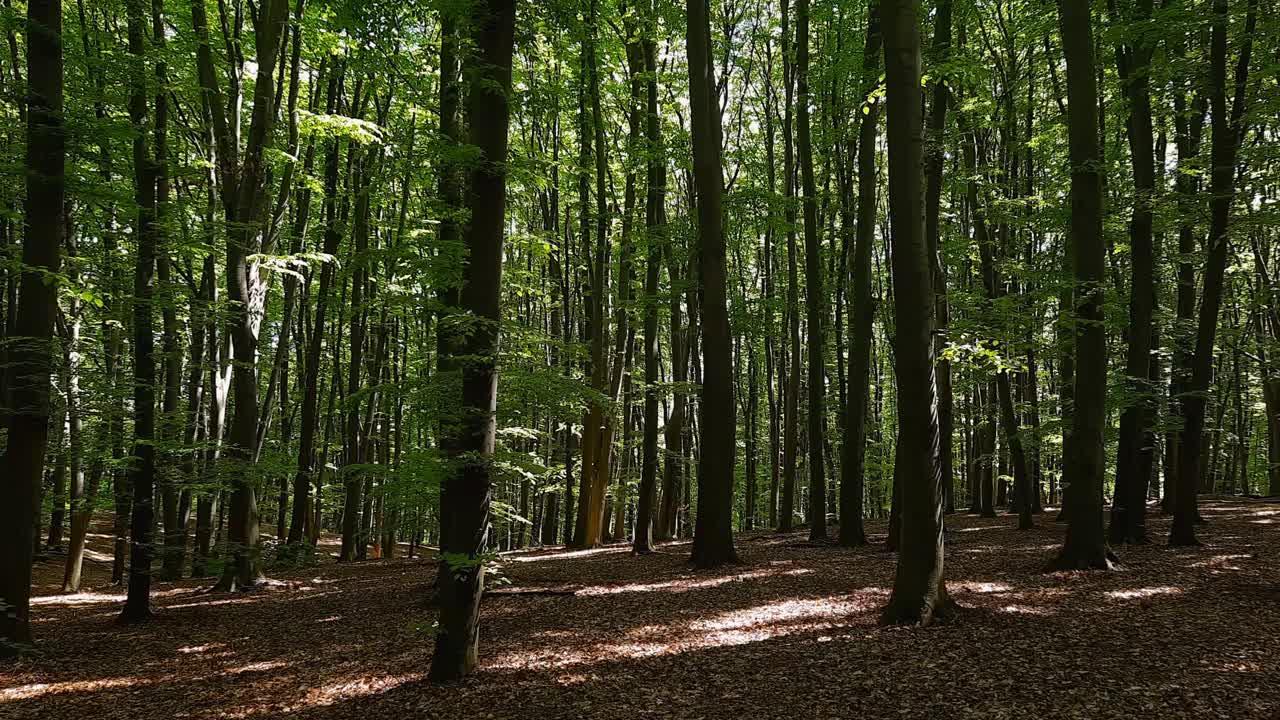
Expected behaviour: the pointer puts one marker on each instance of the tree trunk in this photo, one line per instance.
(937, 124)
(244, 292)
(1226, 143)
(713, 535)
(142, 472)
(791, 424)
(469, 485)
(861, 315)
(1086, 543)
(31, 360)
(919, 593)
(1129, 506)
(815, 300)
(994, 288)
(655, 222)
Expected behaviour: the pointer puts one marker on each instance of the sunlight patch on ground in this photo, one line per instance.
(1138, 593)
(571, 554)
(738, 627)
(84, 598)
(1221, 562)
(359, 687)
(200, 649)
(35, 690)
(978, 587)
(94, 598)
(211, 603)
(257, 667)
(686, 584)
(1023, 610)
(783, 611)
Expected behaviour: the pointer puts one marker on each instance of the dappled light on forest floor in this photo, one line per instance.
(791, 633)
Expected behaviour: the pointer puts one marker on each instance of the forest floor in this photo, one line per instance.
(790, 633)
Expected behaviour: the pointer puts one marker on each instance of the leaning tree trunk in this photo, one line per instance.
(713, 534)
(31, 354)
(469, 484)
(1086, 543)
(919, 593)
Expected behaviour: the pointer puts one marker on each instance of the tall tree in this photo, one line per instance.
(142, 473)
(934, 151)
(815, 302)
(791, 411)
(1129, 506)
(470, 480)
(26, 414)
(655, 222)
(862, 314)
(919, 593)
(713, 534)
(246, 222)
(1086, 544)
(1227, 132)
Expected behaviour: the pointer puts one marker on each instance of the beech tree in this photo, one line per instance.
(713, 537)
(30, 354)
(1086, 543)
(467, 492)
(919, 590)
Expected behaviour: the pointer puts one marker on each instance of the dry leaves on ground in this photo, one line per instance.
(791, 633)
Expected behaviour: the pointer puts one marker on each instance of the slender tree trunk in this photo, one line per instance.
(937, 124)
(1129, 506)
(861, 315)
(815, 300)
(655, 222)
(791, 429)
(1225, 144)
(142, 473)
